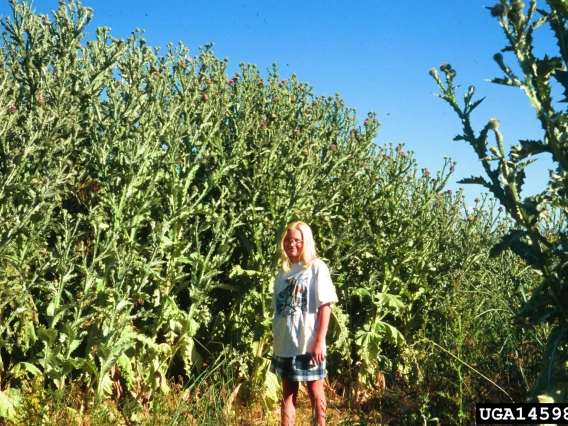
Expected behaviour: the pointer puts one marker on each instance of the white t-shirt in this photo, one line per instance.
(298, 294)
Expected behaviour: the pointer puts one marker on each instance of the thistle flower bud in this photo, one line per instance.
(517, 5)
(498, 10)
(494, 124)
(333, 147)
(445, 67)
(305, 151)
(433, 72)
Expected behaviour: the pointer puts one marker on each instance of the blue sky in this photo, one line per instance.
(376, 54)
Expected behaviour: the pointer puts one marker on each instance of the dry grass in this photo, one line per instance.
(180, 407)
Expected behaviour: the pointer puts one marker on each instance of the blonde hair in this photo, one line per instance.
(308, 254)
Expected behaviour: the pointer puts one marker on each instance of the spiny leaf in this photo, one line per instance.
(562, 77)
(507, 241)
(478, 180)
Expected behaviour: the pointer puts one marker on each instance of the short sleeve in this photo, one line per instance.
(325, 291)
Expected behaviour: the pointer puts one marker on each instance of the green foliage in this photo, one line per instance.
(538, 239)
(143, 194)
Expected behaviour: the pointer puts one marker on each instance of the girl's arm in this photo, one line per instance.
(318, 351)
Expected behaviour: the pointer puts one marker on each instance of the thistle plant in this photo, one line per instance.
(143, 193)
(536, 238)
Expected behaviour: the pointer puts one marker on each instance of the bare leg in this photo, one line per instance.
(317, 398)
(289, 395)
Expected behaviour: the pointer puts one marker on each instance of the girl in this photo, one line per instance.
(302, 300)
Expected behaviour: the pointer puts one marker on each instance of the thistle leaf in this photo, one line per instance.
(507, 241)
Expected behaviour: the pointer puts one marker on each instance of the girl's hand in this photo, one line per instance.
(318, 353)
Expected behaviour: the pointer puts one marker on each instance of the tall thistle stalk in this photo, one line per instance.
(532, 240)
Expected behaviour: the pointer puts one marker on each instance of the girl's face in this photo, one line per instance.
(294, 244)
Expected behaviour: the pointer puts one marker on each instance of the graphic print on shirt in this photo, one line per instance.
(294, 297)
